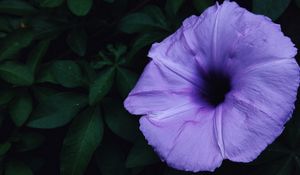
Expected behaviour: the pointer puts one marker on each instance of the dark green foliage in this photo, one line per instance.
(20, 109)
(141, 154)
(80, 7)
(17, 74)
(119, 120)
(15, 167)
(270, 8)
(77, 41)
(57, 110)
(82, 139)
(66, 67)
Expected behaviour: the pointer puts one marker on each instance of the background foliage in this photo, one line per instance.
(66, 67)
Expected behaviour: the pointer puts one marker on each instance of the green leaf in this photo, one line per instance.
(17, 74)
(172, 6)
(14, 42)
(77, 41)
(83, 137)
(201, 5)
(46, 75)
(41, 94)
(157, 16)
(120, 121)
(4, 148)
(101, 86)
(16, 7)
(80, 7)
(141, 154)
(37, 54)
(270, 8)
(67, 73)
(46, 27)
(27, 141)
(125, 80)
(6, 95)
(101, 64)
(117, 51)
(50, 3)
(57, 110)
(144, 40)
(150, 19)
(20, 109)
(111, 159)
(87, 70)
(16, 167)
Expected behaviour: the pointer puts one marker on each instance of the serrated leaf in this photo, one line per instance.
(17, 74)
(80, 7)
(20, 109)
(172, 6)
(50, 3)
(57, 110)
(4, 148)
(120, 121)
(111, 159)
(125, 80)
(16, 7)
(83, 137)
(77, 41)
(270, 8)
(14, 42)
(28, 141)
(16, 167)
(101, 86)
(141, 154)
(37, 54)
(67, 73)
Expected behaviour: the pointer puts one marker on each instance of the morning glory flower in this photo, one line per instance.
(221, 87)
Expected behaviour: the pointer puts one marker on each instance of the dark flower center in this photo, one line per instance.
(216, 86)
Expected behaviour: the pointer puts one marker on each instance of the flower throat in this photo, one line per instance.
(216, 86)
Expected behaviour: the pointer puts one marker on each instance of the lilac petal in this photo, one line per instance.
(185, 140)
(246, 130)
(159, 89)
(230, 37)
(149, 102)
(174, 54)
(270, 87)
(258, 107)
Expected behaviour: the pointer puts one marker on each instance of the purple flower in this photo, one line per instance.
(221, 87)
